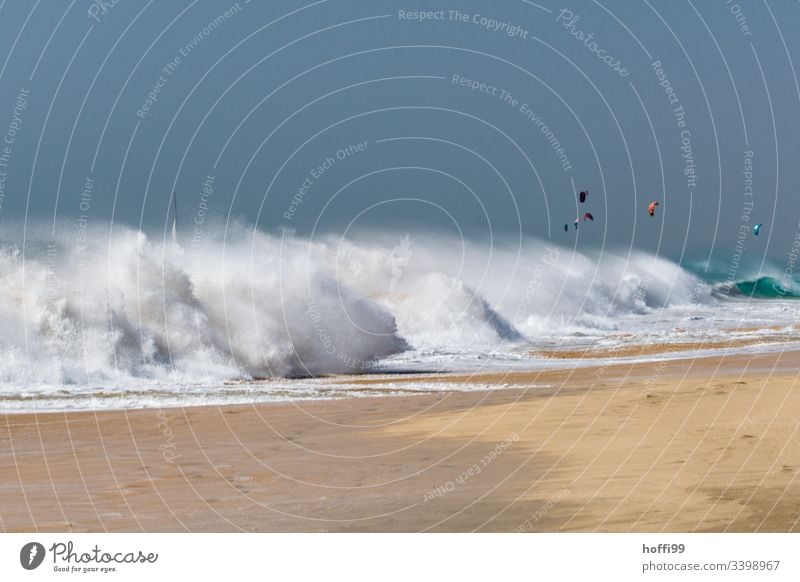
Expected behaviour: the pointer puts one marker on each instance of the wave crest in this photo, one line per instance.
(116, 308)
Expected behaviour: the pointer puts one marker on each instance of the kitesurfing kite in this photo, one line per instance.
(756, 228)
(586, 216)
(651, 210)
(582, 196)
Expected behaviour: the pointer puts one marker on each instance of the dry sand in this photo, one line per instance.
(706, 444)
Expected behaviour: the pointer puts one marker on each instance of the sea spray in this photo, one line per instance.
(116, 309)
(128, 307)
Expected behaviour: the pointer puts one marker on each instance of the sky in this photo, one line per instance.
(472, 119)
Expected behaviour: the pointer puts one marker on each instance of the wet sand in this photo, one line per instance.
(707, 444)
(638, 350)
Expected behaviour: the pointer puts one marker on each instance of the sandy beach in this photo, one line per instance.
(707, 444)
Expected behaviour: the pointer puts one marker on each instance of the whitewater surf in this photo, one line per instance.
(119, 317)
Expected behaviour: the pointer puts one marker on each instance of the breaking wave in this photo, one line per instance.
(769, 288)
(97, 308)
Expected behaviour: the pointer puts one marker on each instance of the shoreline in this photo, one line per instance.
(706, 444)
(485, 379)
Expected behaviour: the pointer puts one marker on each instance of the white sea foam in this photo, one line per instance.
(123, 310)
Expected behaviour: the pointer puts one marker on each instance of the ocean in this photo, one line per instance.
(102, 318)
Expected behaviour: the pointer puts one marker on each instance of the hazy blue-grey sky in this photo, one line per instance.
(258, 95)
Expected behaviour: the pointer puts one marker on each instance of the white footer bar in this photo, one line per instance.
(402, 557)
